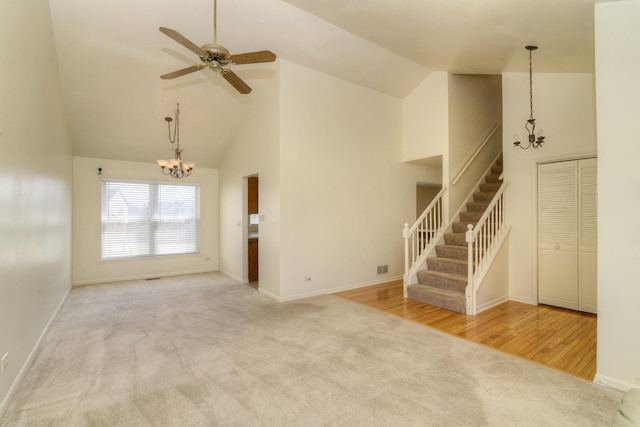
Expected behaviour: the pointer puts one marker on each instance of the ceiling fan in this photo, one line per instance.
(217, 57)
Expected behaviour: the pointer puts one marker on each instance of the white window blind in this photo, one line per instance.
(149, 219)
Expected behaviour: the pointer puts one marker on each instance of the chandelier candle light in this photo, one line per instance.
(530, 126)
(176, 167)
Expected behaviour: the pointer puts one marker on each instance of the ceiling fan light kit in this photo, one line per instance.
(534, 140)
(216, 57)
(176, 167)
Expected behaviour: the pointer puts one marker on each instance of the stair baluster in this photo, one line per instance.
(422, 237)
(482, 241)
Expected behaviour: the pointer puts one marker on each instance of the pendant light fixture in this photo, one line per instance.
(176, 167)
(534, 140)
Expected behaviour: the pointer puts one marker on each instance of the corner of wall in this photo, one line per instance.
(425, 118)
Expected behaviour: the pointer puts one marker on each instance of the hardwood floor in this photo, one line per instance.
(558, 338)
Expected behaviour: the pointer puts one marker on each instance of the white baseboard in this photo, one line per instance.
(29, 361)
(334, 290)
(141, 277)
(269, 294)
(523, 300)
(614, 383)
(232, 276)
(365, 284)
(491, 304)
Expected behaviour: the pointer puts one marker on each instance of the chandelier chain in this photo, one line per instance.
(176, 131)
(530, 86)
(534, 140)
(175, 167)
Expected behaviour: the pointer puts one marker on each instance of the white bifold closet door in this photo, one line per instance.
(567, 234)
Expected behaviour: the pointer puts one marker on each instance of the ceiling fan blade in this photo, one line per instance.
(253, 57)
(235, 81)
(182, 72)
(182, 40)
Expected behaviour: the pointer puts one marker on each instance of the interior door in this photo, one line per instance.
(588, 224)
(567, 234)
(558, 234)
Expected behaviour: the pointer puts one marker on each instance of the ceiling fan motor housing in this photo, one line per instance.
(215, 55)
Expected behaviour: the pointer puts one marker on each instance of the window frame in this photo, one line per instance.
(153, 220)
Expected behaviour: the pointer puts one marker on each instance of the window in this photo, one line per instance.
(147, 219)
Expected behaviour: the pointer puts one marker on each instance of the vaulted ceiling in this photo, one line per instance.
(111, 55)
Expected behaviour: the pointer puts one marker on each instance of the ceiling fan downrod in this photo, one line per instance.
(215, 14)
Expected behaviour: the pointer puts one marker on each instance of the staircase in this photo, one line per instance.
(444, 281)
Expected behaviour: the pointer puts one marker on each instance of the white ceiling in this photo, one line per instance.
(111, 55)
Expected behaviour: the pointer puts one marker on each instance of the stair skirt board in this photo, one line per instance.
(443, 283)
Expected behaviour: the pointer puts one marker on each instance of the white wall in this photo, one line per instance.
(35, 184)
(475, 107)
(255, 150)
(425, 119)
(495, 284)
(618, 105)
(425, 195)
(87, 202)
(345, 191)
(564, 106)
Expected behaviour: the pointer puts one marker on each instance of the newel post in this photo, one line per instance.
(469, 293)
(405, 278)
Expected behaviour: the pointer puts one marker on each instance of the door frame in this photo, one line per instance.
(534, 223)
(245, 226)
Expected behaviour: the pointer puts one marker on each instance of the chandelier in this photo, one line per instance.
(176, 167)
(530, 126)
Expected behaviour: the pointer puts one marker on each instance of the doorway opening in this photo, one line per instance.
(253, 231)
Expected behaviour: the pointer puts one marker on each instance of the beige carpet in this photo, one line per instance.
(202, 350)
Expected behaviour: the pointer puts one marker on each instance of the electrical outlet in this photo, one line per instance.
(307, 278)
(5, 361)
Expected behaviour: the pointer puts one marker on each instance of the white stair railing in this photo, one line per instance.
(422, 237)
(483, 242)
